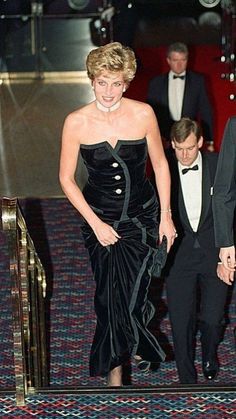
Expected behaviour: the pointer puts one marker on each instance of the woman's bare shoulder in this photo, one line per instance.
(139, 109)
(79, 116)
(80, 112)
(138, 105)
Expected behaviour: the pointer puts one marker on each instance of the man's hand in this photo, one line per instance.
(225, 274)
(210, 147)
(227, 257)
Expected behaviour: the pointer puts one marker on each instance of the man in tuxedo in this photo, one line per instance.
(224, 199)
(179, 93)
(192, 261)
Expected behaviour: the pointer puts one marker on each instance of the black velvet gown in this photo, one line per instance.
(121, 195)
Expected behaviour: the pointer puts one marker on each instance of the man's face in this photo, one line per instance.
(187, 151)
(177, 62)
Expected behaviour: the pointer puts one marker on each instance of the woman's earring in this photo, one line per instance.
(124, 90)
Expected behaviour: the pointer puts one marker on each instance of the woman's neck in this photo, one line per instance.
(105, 109)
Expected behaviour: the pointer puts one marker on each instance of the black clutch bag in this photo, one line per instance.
(160, 258)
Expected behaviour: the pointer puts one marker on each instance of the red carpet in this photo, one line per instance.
(204, 59)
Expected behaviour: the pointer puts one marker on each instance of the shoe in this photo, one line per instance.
(141, 364)
(210, 369)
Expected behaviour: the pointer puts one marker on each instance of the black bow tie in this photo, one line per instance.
(189, 168)
(178, 77)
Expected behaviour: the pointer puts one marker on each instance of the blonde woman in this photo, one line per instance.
(114, 136)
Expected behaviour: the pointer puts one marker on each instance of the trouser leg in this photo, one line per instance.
(213, 298)
(181, 300)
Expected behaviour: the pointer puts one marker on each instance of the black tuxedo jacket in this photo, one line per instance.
(187, 239)
(224, 198)
(196, 104)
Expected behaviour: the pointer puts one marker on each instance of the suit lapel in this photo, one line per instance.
(166, 91)
(182, 208)
(187, 95)
(177, 196)
(206, 190)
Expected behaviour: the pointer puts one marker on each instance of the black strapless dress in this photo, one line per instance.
(119, 192)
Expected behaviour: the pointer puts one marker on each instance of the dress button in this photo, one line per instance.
(115, 164)
(118, 191)
(117, 177)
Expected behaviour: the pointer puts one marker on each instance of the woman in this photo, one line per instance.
(119, 207)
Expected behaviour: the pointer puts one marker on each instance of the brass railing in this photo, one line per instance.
(28, 290)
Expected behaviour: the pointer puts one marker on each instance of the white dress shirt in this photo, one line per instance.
(175, 95)
(191, 183)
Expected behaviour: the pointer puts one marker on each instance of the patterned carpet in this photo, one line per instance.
(147, 406)
(54, 226)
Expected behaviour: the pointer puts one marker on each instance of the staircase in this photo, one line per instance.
(63, 385)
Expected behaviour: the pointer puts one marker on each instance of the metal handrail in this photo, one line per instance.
(28, 290)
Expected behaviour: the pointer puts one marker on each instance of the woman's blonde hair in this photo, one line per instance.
(113, 57)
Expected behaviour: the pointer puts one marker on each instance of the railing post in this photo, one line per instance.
(28, 289)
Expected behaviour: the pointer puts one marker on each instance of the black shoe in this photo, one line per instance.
(142, 364)
(210, 369)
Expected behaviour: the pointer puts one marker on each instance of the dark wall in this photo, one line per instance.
(172, 8)
(149, 8)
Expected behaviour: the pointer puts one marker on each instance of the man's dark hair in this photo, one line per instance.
(180, 130)
(177, 47)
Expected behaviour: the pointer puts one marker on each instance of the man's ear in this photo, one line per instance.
(173, 144)
(200, 142)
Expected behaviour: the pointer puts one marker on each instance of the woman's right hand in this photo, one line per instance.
(105, 234)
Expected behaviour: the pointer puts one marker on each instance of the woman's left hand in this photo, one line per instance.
(168, 229)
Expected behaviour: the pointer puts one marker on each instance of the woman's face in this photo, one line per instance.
(108, 88)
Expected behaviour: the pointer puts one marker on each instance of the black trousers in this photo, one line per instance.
(183, 286)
